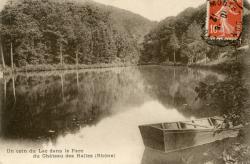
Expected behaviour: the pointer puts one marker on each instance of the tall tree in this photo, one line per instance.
(174, 44)
(1, 46)
(61, 53)
(1, 52)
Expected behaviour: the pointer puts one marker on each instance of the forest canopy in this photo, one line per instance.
(179, 39)
(56, 32)
(70, 32)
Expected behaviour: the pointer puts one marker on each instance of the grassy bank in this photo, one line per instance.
(228, 63)
(58, 67)
(225, 64)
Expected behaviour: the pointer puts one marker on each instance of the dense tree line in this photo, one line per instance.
(63, 32)
(179, 39)
(54, 32)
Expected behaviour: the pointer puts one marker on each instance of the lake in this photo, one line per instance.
(98, 111)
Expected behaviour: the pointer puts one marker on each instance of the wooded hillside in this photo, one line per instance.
(179, 39)
(54, 32)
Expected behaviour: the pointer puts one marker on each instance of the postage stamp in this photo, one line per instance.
(224, 19)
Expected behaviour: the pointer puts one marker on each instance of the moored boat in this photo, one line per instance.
(172, 136)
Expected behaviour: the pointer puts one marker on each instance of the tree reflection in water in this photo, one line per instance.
(228, 96)
(45, 106)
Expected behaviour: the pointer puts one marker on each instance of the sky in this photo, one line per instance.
(151, 9)
(154, 9)
(2, 2)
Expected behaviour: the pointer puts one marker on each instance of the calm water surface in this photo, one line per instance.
(99, 111)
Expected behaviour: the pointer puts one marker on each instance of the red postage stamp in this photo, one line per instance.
(224, 19)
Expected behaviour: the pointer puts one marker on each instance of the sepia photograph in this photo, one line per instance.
(124, 82)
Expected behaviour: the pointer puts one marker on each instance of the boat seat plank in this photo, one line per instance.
(210, 122)
(194, 124)
(170, 126)
(179, 125)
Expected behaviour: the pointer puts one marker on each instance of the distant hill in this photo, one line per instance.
(179, 39)
(53, 32)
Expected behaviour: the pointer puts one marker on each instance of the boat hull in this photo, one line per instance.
(173, 140)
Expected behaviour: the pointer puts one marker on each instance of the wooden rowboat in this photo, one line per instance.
(173, 136)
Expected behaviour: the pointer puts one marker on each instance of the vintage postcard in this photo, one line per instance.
(124, 82)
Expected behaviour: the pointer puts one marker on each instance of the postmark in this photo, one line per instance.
(224, 19)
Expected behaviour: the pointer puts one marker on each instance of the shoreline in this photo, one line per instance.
(224, 67)
(58, 67)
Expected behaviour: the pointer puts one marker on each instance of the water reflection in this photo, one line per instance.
(48, 106)
(99, 110)
(227, 97)
(52, 105)
(176, 87)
